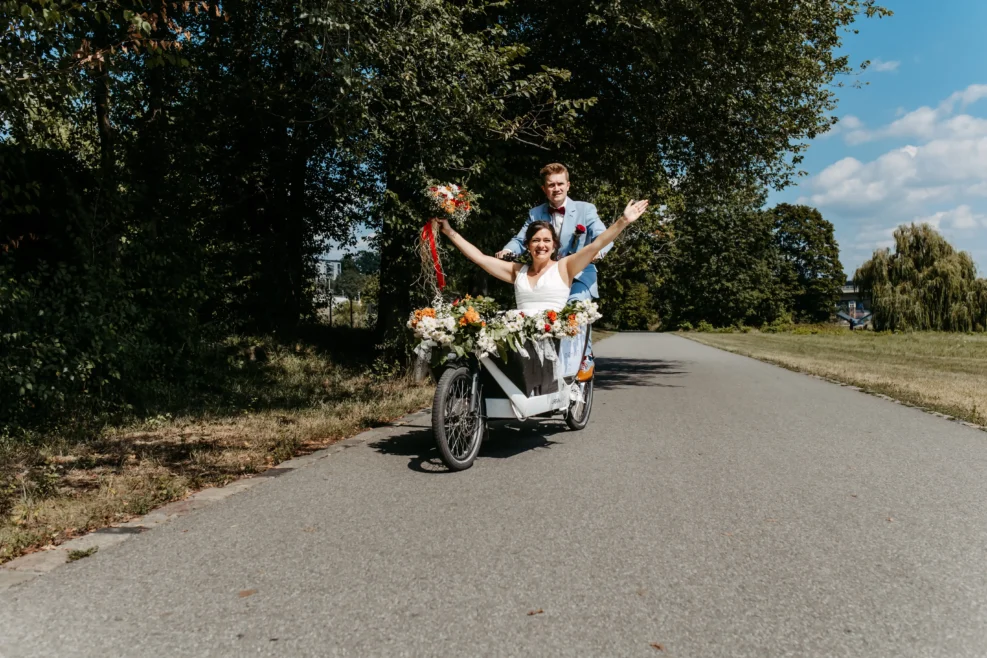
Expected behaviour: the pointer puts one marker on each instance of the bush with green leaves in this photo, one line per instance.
(924, 285)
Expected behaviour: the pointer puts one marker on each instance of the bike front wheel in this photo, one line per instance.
(578, 416)
(458, 421)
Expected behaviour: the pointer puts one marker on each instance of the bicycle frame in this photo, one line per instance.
(526, 406)
(518, 404)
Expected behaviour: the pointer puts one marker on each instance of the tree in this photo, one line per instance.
(367, 262)
(680, 101)
(724, 265)
(351, 280)
(205, 152)
(809, 268)
(924, 285)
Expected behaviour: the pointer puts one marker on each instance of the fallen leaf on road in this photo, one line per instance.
(539, 611)
(247, 592)
(890, 520)
(658, 647)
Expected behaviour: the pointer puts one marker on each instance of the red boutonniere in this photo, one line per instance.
(580, 230)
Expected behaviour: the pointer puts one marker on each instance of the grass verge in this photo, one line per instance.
(945, 372)
(290, 400)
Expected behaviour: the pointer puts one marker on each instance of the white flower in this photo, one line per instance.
(485, 344)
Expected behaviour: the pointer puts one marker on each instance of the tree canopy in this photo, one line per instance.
(809, 267)
(170, 172)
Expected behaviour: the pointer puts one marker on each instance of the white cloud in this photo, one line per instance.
(960, 218)
(871, 237)
(936, 171)
(880, 66)
(927, 122)
(937, 174)
(846, 124)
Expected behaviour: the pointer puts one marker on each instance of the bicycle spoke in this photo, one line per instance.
(462, 425)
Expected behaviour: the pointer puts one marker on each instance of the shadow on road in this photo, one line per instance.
(613, 373)
(506, 439)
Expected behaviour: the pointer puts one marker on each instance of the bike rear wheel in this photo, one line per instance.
(458, 420)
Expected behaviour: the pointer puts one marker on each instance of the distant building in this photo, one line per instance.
(853, 302)
(328, 269)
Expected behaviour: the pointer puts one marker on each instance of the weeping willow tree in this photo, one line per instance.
(924, 285)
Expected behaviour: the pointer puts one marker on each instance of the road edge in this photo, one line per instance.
(28, 567)
(852, 387)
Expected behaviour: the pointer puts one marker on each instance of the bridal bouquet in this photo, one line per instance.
(477, 326)
(454, 202)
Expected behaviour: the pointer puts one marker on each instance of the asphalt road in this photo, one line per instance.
(715, 506)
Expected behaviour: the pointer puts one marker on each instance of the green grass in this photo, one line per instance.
(251, 414)
(945, 372)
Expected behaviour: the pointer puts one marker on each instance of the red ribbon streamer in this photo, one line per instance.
(429, 236)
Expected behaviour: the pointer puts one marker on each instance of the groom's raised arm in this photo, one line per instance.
(595, 228)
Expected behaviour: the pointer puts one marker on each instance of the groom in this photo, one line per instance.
(576, 223)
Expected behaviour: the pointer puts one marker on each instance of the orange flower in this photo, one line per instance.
(572, 320)
(552, 316)
(470, 316)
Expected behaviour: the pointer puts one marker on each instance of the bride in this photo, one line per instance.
(544, 285)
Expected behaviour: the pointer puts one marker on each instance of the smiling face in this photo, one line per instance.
(556, 188)
(542, 245)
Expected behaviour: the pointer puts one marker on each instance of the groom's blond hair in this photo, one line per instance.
(552, 169)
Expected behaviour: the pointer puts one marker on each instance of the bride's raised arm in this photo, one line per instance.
(577, 262)
(495, 267)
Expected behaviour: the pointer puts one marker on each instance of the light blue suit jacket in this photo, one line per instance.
(576, 212)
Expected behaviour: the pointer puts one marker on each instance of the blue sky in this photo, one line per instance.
(912, 144)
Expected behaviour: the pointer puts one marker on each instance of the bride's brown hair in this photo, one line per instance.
(534, 227)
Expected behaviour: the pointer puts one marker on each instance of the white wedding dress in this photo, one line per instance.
(550, 292)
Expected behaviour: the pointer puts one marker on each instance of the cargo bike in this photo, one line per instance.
(532, 383)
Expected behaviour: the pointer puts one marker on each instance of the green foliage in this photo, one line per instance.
(725, 265)
(170, 171)
(809, 268)
(366, 262)
(924, 285)
(351, 281)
